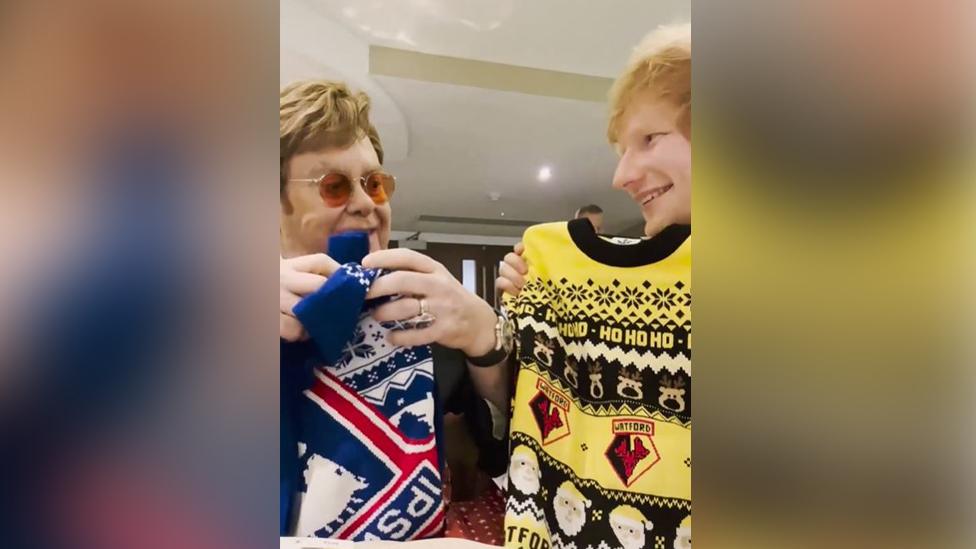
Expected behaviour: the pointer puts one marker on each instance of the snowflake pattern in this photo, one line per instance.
(356, 348)
(633, 297)
(604, 295)
(663, 298)
(576, 293)
(366, 365)
(363, 276)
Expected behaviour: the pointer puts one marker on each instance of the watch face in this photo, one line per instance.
(508, 334)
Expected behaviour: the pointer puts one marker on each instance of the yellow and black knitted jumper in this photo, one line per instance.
(601, 419)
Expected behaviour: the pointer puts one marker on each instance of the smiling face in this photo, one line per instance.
(655, 162)
(307, 221)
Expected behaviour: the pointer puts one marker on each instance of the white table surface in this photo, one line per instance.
(437, 543)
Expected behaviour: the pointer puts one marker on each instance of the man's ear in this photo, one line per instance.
(286, 205)
(283, 170)
(683, 121)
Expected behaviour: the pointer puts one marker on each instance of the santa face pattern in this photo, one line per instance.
(570, 510)
(630, 530)
(683, 538)
(602, 399)
(523, 473)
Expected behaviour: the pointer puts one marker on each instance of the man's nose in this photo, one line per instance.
(627, 172)
(359, 202)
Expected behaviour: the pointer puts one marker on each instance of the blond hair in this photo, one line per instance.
(315, 114)
(661, 66)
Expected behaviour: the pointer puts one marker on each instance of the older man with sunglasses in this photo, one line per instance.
(332, 182)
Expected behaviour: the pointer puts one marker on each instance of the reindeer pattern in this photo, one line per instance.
(599, 379)
(672, 394)
(604, 355)
(596, 380)
(570, 371)
(543, 350)
(627, 383)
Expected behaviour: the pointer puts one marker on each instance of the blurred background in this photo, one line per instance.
(136, 197)
(834, 268)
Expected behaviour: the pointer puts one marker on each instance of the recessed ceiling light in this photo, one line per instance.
(503, 214)
(545, 173)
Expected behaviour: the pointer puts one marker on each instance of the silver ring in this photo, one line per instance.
(424, 310)
(418, 322)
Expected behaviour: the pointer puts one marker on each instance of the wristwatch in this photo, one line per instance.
(504, 341)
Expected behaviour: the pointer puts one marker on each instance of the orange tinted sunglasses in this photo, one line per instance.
(336, 188)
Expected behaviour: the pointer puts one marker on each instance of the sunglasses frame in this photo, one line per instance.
(362, 184)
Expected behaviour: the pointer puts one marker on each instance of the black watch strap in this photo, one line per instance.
(493, 357)
(504, 340)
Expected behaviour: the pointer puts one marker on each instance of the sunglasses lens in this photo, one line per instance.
(335, 189)
(380, 186)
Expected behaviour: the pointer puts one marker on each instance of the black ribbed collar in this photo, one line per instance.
(646, 252)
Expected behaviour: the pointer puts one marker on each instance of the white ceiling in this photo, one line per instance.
(450, 146)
